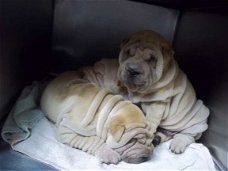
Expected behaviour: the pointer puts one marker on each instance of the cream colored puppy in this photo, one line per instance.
(148, 75)
(96, 121)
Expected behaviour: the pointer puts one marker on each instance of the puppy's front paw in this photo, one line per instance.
(108, 155)
(177, 146)
(180, 143)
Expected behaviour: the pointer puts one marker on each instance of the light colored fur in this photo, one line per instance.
(161, 89)
(94, 120)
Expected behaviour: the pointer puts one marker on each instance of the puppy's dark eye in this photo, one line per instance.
(130, 51)
(151, 58)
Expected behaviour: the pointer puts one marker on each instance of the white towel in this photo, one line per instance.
(29, 132)
(43, 146)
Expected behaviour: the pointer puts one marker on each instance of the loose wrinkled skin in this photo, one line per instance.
(147, 75)
(138, 71)
(152, 78)
(143, 60)
(92, 119)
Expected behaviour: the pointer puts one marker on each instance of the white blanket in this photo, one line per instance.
(43, 146)
(29, 132)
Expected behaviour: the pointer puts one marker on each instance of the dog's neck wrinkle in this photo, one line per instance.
(104, 101)
(94, 107)
(167, 77)
(105, 112)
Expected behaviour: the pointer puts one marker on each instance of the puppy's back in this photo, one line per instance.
(61, 94)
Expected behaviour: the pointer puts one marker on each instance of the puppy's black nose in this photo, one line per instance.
(144, 159)
(137, 160)
(132, 69)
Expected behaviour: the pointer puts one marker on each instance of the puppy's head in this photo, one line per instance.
(130, 135)
(143, 59)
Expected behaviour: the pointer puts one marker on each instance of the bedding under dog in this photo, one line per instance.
(28, 131)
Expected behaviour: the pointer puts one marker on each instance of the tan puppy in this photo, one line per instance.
(96, 121)
(148, 75)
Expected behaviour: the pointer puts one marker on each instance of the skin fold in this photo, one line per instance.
(147, 74)
(94, 120)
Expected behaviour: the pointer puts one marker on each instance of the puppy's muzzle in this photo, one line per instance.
(137, 160)
(133, 70)
(138, 153)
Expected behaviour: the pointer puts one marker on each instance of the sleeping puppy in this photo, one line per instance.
(96, 121)
(148, 75)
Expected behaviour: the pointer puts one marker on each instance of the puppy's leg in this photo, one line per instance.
(154, 113)
(180, 142)
(186, 137)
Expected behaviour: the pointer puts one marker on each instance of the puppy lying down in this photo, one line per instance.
(96, 121)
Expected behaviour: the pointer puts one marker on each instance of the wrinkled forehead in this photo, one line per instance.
(146, 39)
(142, 48)
(142, 45)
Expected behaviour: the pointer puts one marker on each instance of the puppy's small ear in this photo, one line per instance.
(167, 53)
(116, 129)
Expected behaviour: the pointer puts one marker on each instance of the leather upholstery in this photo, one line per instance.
(25, 40)
(85, 31)
(201, 50)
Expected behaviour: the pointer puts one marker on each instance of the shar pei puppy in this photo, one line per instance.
(96, 121)
(147, 75)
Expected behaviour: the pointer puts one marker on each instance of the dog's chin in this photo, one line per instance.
(135, 86)
(132, 87)
(138, 83)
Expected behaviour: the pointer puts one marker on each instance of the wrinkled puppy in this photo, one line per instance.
(96, 121)
(148, 75)
(153, 79)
